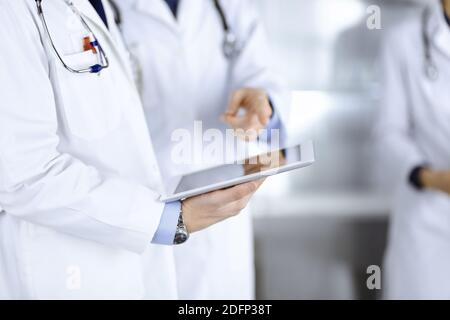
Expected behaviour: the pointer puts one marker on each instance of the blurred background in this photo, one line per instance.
(318, 230)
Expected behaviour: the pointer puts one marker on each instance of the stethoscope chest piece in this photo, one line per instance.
(230, 45)
(430, 68)
(432, 72)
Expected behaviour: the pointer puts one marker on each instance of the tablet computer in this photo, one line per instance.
(229, 175)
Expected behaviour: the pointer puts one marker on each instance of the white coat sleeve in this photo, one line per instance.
(41, 185)
(396, 151)
(254, 65)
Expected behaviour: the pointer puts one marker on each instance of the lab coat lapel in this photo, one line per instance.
(159, 10)
(443, 41)
(116, 35)
(191, 15)
(89, 12)
(439, 30)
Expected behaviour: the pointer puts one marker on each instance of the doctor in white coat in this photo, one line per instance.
(188, 73)
(413, 132)
(78, 178)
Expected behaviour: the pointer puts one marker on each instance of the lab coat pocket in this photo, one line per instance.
(436, 211)
(61, 266)
(89, 111)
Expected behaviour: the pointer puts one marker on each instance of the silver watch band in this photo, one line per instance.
(182, 233)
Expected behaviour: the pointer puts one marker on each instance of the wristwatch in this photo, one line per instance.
(182, 233)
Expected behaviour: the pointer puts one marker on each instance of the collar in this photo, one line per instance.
(189, 19)
(157, 9)
(85, 7)
(438, 29)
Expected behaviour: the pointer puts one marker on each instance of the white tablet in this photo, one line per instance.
(229, 175)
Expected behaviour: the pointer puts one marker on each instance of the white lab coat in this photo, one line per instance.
(414, 129)
(184, 76)
(77, 168)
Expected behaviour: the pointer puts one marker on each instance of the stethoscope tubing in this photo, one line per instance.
(103, 62)
(430, 68)
(230, 42)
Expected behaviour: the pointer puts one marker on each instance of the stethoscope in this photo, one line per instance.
(431, 69)
(230, 42)
(102, 62)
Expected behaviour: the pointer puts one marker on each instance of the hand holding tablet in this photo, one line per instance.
(229, 175)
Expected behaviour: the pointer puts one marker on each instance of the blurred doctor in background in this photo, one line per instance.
(413, 134)
(192, 56)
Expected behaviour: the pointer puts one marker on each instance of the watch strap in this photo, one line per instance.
(182, 233)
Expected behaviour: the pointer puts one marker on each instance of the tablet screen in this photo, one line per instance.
(264, 162)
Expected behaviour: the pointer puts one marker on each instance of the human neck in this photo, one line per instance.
(446, 5)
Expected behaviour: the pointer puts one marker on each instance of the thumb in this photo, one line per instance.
(264, 114)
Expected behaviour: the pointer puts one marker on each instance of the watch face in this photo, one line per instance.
(180, 237)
